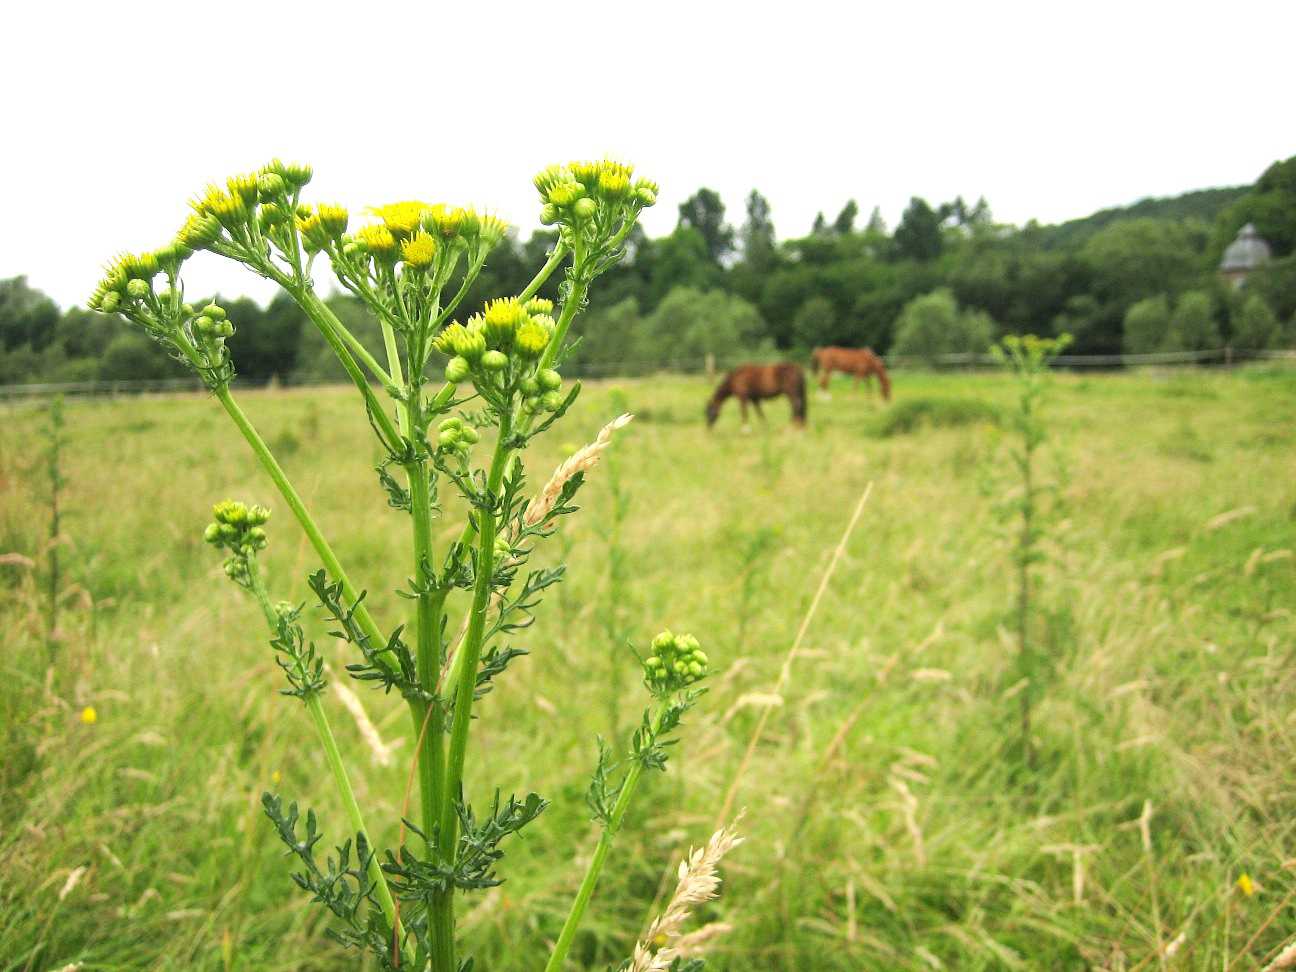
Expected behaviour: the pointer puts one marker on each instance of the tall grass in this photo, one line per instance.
(887, 827)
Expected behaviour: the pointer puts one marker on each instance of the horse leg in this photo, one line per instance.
(757, 405)
(742, 403)
(824, 378)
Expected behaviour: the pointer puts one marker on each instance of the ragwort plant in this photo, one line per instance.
(412, 267)
(1026, 506)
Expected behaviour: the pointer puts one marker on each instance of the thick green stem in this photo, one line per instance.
(588, 883)
(467, 660)
(322, 548)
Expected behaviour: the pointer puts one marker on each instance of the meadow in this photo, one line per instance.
(891, 821)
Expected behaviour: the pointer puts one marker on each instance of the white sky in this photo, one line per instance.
(117, 113)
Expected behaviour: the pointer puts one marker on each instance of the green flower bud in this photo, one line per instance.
(215, 312)
(456, 370)
(213, 533)
(224, 329)
(494, 361)
(549, 380)
(469, 435)
(551, 401)
(529, 386)
(258, 515)
(448, 439)
(548, 214)
(585, 208)
(257, 537)
(646, 196)
(452, 422)
(470, 344)
(271, 184)
(138, 288)
(110, 302)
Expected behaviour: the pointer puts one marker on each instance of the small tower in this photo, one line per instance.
(1243, 255)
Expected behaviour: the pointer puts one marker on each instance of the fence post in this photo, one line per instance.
(710, 365)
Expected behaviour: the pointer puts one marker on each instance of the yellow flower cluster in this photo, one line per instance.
(572, 192)
(505, 326)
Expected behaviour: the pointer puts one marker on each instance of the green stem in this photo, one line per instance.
(545, 272)
(331, 328)
(588, 883)
(294, 501)
(334, 758)
(468, 658)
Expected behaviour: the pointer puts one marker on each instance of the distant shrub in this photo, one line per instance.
(1255, 326)
(1146, 323)
(933, 325)
(1192, 326)
(913, 414)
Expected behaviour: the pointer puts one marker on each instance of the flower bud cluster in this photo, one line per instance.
(575, 194)
(455, 436)
(507, 338)
(238, 528)
(676, 662)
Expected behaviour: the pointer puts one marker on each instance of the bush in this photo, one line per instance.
(913, 414)
(933, 325)
(1255, 326)
(1146, 324)
(1192, 326)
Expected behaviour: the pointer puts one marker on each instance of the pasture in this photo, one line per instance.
(890, 820)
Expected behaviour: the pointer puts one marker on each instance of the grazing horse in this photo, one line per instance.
(754, 382)
(860, 362)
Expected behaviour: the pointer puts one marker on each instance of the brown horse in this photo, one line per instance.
(860, 362)
(753, 382)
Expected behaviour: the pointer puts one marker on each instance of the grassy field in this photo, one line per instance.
(891, 821)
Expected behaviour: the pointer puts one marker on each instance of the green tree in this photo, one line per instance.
(704, 212)
(1270, 205)
(1255, 326)
(933, 325)
(815, 323)
(690, 324)
(27, 316)
(1146, 324)
(1192, 325)
(918, 237)
(844, 224)
(1138, 258)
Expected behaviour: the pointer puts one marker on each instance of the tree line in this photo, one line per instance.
(948, 278)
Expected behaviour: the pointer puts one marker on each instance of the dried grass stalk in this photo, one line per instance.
(699, 881)
(581, 460)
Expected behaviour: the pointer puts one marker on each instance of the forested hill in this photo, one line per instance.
(1202, 204)
(948, 278)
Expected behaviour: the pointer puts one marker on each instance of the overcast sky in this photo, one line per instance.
(117, 113)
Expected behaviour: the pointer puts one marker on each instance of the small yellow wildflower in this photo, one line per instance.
(378, 240)
(401, 217)
(419, 251)
(333, 218)
(532, 338)
(89, 716)
(244, 187)
(276, 778)
(1245, 884)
